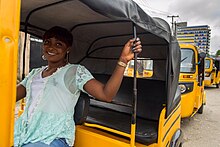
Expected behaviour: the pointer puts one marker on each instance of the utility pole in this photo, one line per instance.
(173, 23)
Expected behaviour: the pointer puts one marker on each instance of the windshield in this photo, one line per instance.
(207, 63)
(187, 61)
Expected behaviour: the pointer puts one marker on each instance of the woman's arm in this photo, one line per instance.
(21, 92)
(109, 90)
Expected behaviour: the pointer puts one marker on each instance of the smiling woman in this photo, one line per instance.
(53, 91)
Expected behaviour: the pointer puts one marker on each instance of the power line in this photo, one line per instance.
(149, 9)
(145, 4)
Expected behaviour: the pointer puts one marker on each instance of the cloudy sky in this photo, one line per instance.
(195, 12)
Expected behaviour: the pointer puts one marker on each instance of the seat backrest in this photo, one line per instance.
(81, 109)
(151, 98)
(150, 93)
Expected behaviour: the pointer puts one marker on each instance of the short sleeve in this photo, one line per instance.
(24, 81)
(82, 76)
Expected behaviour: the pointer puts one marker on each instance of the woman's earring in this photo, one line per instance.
(43, 57)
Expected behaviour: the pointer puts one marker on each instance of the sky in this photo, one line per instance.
(194, 12)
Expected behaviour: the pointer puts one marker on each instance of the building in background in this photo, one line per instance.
(195, 35)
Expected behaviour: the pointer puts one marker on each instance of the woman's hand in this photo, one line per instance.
(108, 91)
(129, 49)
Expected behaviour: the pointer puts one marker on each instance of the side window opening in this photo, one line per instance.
(144, 68)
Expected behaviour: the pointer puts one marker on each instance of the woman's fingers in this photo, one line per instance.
(137, 47)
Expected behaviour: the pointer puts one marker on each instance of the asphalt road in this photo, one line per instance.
(203, 130)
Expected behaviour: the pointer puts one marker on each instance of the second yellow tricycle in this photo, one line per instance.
(191, 81)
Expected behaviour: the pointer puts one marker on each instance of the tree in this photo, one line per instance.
(218, 53)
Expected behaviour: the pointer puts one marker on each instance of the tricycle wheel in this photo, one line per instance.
(200, 111)
(181, 144)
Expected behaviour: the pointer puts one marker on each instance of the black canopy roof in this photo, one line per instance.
(100, 29)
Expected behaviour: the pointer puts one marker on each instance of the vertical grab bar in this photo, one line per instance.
(134, 111)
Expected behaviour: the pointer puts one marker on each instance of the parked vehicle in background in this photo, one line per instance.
(144, 68)
(212, 72)
(191, 80)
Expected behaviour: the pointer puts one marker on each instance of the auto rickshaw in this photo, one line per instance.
(212, 72)
(145, 112)
(191, 80)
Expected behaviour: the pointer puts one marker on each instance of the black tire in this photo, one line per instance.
(181, 144)
(200, 111)
(217, 86)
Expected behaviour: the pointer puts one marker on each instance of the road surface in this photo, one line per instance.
(203, 130)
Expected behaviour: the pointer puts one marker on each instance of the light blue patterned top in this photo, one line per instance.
(53, 116)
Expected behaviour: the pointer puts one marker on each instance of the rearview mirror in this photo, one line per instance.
(202, 55)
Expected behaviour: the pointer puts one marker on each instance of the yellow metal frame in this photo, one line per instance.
(131, 136)
(192, 101)
(9, 34)
(94, 135)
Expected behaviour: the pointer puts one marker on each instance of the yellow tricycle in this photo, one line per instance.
(212, 72)
(191, 80)
(146, 112)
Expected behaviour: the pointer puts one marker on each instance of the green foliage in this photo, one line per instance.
(218, 53)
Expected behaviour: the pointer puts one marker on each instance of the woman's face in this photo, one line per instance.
(54, 50)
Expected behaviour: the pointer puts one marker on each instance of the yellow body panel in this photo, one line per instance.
(93, 137)
(191, 101)
(210, 74)
(9, 32)
(209, 81)
(187, 102)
